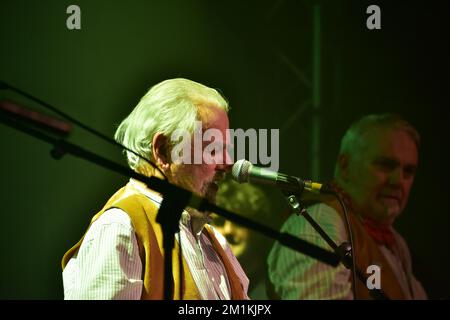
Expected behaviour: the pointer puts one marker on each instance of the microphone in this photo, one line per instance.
(245, 171)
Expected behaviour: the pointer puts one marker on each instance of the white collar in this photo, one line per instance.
(157, 198)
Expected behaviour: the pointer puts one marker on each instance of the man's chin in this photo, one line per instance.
(387, 215)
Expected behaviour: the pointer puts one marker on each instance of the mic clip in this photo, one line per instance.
(295, 205)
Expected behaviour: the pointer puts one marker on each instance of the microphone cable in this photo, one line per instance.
(356, 273)
(4, 85)
(350, 236)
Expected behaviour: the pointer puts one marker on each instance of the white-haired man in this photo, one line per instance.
(373, 174)
(120, 256)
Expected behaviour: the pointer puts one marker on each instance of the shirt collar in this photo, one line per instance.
(156, 197)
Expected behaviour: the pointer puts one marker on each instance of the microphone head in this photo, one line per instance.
(240, 170)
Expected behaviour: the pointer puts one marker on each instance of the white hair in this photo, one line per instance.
(169, 105)
(353, 143)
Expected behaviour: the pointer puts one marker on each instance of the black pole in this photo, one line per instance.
(182, 196)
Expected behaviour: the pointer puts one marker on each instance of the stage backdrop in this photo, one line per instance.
(260, 54)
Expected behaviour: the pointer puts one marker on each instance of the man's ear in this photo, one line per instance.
(160, 150)
(343, 163)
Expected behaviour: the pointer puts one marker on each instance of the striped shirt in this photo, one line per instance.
(108, 265)
(296, 276)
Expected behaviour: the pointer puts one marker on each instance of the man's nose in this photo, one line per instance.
(226, 162)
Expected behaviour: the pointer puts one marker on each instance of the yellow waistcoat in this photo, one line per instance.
(142, 213)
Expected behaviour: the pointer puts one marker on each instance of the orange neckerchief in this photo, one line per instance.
(380, 233)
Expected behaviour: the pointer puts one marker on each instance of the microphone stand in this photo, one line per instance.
(343, 251)
(176, 199)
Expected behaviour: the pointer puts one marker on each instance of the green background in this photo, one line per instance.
(253, 51)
